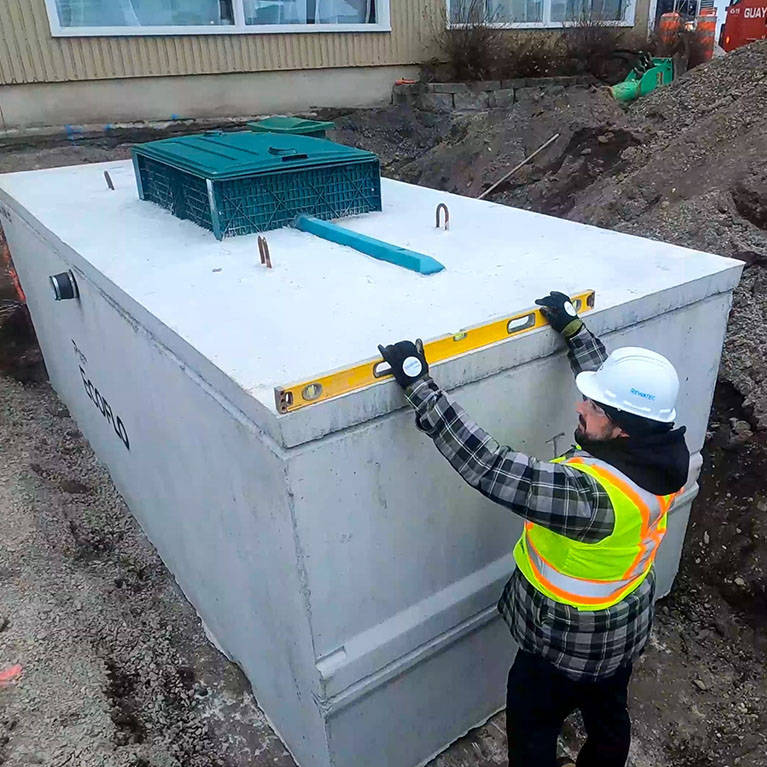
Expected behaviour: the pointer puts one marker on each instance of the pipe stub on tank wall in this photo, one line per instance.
(64, 286)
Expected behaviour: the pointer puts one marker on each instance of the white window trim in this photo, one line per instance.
(547, 23)
(651, 16)
(238, 28)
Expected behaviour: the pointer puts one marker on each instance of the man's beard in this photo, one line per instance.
(582, 437)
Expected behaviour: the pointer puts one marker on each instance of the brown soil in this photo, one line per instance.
(117, 669)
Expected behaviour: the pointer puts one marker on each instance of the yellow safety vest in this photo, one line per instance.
(594, 576)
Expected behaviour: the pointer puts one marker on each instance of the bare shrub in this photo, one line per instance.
(470, 45)
(590, 43)
(642, 40)
(531, 55)
(474, 46)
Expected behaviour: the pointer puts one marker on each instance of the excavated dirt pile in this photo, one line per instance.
(701, 181)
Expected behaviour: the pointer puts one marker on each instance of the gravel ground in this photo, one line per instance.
(116, 668)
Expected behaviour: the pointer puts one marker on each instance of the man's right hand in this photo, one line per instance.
(406, 360)
(560, 312)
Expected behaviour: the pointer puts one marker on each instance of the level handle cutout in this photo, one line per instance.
(518, 324)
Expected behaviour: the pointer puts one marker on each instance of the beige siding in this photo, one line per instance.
(29, 54)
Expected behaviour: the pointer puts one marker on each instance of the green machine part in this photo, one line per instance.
(640, 83)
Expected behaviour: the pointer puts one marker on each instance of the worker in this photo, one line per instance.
(579, 604)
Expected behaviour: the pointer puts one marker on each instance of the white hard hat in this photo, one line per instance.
(634, 380)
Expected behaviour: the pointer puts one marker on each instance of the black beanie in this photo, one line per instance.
(635, 425)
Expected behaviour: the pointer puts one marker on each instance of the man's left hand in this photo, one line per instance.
(406, 360)
(560, 312)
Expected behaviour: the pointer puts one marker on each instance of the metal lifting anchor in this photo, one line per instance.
(442, 207)
(263, 250)
(553, 443)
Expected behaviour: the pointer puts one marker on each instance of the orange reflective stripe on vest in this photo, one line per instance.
(593, 576)
(588, 591)
(653, 509)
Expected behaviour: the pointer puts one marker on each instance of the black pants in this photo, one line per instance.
(538, 700)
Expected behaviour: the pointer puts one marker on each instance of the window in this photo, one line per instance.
(144, 13)
(540, 13)
(309, 12)
(595, 10)
(168, 17)
(510, 11)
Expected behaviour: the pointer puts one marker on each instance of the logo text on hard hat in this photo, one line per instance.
(642, 394)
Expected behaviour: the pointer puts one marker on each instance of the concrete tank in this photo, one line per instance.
(332, 552)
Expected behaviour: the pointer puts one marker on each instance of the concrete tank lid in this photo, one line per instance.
(325, 306)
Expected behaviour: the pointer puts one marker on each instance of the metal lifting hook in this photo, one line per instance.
(263, 250)
(442, 207)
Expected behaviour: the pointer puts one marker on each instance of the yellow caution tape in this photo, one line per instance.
(375, 370)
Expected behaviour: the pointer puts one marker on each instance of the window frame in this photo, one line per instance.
(238, 28)
(629, 20)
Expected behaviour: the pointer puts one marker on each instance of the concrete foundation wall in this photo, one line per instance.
(471, 670)
(201, 96)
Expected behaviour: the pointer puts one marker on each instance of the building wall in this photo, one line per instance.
(29, 53)
(57, 81)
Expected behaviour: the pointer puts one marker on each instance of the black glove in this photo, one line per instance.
(406, 360)
(560, 312)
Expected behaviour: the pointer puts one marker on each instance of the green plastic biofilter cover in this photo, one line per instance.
(239, 183)
(297, 125)
(220, 156)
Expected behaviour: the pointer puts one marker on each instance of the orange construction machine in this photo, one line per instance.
(746, 21)
(689, 32)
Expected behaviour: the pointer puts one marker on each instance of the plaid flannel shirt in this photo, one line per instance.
(582, 644)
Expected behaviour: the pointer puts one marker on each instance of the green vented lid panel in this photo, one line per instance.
(239, 183)
(296, 125)
(221, 156)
